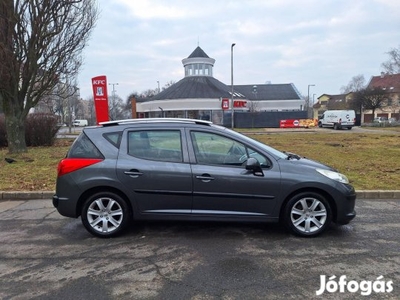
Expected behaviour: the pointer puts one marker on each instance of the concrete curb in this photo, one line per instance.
(26, 195)
(40, 195)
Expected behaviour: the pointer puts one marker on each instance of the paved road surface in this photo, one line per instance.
(46, 256)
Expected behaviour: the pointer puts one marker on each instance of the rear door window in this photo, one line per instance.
(160, 145)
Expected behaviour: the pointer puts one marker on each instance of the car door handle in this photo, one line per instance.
(205, 177)
(133, 173)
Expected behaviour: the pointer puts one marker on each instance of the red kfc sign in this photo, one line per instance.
(239, 103)
(100, 96)
(225, 103)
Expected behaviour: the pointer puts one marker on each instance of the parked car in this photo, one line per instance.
(380, 120)
(183, 169)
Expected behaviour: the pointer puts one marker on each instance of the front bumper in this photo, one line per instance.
(346, 207)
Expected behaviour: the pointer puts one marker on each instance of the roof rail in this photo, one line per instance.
(155, 120)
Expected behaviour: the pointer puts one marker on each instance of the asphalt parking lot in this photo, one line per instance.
(46, 256)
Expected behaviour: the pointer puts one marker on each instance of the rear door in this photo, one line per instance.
(154, 166)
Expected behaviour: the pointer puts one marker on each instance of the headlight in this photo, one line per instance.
(334, 175)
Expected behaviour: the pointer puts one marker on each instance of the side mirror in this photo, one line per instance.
(253, 165)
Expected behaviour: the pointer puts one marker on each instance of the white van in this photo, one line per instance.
(338, 119)
(80, 123)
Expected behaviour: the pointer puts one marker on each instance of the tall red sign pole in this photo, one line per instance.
(100, 96)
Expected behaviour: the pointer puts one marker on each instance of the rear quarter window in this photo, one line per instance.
(114, 138)
(83, 147)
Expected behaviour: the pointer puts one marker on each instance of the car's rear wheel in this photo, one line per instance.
(307, 214)
(105, 214)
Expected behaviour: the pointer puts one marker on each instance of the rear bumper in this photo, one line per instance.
(55, 201)
(65, 207)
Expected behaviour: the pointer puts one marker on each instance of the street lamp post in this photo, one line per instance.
(232, 111)
(113, 97)
(308, 95)
(308, 98)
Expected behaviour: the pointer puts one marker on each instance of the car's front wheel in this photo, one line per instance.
(105, 214)
(307, 214)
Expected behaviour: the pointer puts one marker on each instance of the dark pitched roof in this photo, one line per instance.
(198, 52)
(268, 91)
(389, 81)
(334, 100)
(192, 87)
(338, 98)
(317, 105)
(195, 87)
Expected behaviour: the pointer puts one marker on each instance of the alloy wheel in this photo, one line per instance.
(308, 215)
(105, 215)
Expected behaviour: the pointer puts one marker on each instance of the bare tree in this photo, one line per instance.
(40, 45)
(91, 111)
(392, 66)
(118, 109)
(372, 99)
(356, 84)
(168, 84)
(254, 110)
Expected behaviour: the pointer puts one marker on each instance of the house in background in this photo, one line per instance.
(201, 96)
(390, 83)
(331, 102)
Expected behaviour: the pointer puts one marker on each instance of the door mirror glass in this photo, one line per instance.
(253, 165)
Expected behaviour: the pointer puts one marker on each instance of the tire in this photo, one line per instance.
(335, 126)
(307, 214)
(105, 214)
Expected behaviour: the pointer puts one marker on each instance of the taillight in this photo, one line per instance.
(68, 165)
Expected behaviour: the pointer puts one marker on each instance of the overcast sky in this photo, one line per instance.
(323, 42)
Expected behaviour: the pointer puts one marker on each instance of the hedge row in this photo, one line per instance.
(40, 130)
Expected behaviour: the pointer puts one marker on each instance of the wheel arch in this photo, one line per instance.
(99, 189)
(322, 192)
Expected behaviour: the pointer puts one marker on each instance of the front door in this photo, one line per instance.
(221, 183)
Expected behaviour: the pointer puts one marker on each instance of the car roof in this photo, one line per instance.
(155, 120)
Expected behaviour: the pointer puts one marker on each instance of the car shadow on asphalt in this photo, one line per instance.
(195, 230)
(215, 230)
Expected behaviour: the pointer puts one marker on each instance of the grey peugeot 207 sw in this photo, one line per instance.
(186, 169)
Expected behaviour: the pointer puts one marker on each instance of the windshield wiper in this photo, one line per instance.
(291, 155)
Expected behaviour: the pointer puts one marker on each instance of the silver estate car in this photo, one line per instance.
(186, 169)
